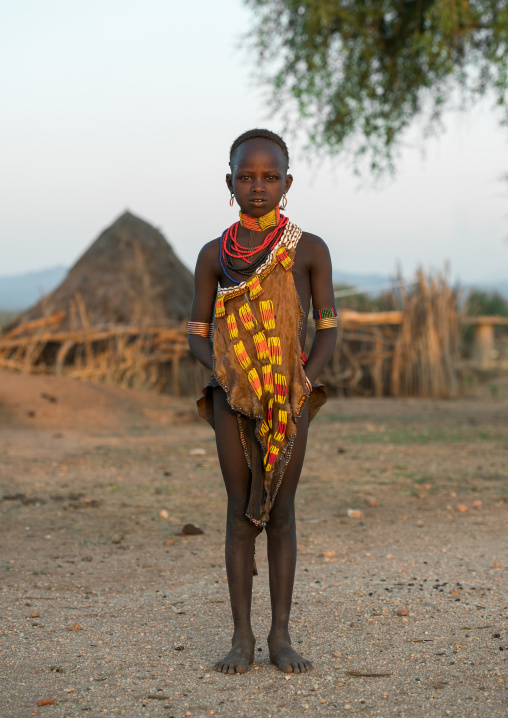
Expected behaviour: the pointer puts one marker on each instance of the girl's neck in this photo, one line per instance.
(260, 224)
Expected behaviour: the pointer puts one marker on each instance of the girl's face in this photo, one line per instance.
(258, 176)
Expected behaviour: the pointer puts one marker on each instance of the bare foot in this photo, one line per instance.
(286, 658)
(239, 657)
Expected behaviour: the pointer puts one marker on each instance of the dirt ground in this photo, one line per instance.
(105, 609)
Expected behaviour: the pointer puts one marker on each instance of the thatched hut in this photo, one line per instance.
(129, 275)
(118, 317)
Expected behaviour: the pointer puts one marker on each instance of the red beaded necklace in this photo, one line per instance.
(231, 249)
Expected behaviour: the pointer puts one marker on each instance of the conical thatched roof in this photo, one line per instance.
(130, 275)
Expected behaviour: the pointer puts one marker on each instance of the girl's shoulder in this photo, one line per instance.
(312, 244)
(210, 247)
(208, 259)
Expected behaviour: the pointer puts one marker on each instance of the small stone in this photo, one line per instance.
(371, 501)
(46, 702)
(197, 452)
(477, 504)
(496, 565)
(419, 523)
(328, 554)
(355, 514)
(118, 538)
(163, 514)
(462, 508)
(76, 627)
(191, 530)
(402, 611)
(169, 542)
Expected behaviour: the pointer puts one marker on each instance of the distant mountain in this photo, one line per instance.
(371, 283)
(501, 287)
(17, 292)
(375, 283)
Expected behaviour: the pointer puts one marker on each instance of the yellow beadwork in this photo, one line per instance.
(275, 350)
(241, 355)
(219, 308)
(261, 345)
(267, 377)
(263, 429)
(271, 456)
(281, 426)
(247, 317)
(267, 314)
(255, 382)
(284, 258)
(233, 329)
(255, 288)
(270, 413)
(281, 388)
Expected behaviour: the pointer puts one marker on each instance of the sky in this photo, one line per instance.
(110, 105)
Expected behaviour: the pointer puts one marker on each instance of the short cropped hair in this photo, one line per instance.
(261, 134)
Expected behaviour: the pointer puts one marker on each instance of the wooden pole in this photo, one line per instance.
(483, 345)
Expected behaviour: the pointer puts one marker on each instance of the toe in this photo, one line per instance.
(286, 668)
(295, 667)
(241, 669)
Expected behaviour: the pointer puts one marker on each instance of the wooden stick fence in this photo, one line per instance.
(412, 352)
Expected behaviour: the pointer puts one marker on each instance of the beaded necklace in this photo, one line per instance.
(259, 224)
(231, 249)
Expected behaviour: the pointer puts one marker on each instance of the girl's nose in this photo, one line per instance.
(258, 186)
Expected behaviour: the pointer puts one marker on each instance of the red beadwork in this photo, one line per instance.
(244, 253)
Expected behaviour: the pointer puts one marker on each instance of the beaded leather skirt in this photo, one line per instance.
(257, 362)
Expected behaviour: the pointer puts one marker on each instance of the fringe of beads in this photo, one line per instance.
(261, 345)
(284, 258)
(275, 350)
(247, 317)
(255, 288)
(241, 355)
(255, 382)
(232, 326)
(219, 308)
(271, 456)
(281, 426)
(281, 388)
(267, 314)
(267, 378)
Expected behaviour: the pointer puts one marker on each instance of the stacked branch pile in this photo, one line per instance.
(119, 317)
(410, 352)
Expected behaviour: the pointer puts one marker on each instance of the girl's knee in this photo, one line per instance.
(237, 521)
(282, 518)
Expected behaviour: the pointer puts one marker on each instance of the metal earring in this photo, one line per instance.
(284, 201)
(232, 199)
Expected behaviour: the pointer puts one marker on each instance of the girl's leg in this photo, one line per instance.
(240, 535)
(281, 535)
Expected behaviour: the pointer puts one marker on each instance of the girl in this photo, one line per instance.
(250, 333)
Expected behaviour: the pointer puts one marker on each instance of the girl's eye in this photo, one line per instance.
(245, 177)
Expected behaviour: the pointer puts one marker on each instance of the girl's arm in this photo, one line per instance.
(322, 298)
(205, 288)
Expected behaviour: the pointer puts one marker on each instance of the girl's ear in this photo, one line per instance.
(289, 182)
(229, 182)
